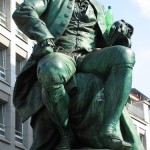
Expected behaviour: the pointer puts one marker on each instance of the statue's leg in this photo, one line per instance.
(45, 133)
(53, 71)
(114, 65)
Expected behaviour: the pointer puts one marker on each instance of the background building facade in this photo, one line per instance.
(15, 49)
(139, 109)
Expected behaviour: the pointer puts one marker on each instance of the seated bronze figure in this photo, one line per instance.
(72, 42)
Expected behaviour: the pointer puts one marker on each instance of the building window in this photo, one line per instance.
(2, 63)
(2, 6)
(21, 35)
(2, 126)
(143, 139)
(18, 128)
(20, 61)
(2, 12)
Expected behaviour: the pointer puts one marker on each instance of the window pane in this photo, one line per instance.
(2, 58)
(18, 123)
(19, 63)
(18, 129)
(17, 67)
(2, 127)
(143, 139)
(2, 6)
(1, 114)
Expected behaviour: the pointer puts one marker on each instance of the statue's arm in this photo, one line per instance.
(27, 18)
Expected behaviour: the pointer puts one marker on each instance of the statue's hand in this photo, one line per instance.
(120, 33)
(42, 49)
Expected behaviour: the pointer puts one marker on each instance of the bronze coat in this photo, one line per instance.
(39, 20)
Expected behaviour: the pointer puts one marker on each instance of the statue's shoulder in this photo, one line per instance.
(100, 7)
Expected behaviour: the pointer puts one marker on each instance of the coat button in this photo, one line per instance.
(63, 23)
(59, 31)
(69, 6)
(66, 15)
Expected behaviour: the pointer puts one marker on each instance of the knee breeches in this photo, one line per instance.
(54, 69)
(57, 68)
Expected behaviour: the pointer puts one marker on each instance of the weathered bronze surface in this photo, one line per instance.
(77, 81)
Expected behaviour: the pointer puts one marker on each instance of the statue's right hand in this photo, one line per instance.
(39, 52)
(42, 48)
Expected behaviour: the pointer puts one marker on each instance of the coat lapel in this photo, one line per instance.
(99, 8)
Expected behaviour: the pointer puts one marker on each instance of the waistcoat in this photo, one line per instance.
(80, 33)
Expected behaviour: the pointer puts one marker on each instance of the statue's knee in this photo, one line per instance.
(45, 75)
(124, 55)
(53, 70)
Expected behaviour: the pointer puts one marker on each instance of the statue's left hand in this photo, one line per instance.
(120, 34)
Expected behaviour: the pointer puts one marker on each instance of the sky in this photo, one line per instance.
(136, 13)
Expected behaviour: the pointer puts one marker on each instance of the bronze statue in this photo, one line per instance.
(71, 38)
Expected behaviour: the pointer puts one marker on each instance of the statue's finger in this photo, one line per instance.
(112, 31)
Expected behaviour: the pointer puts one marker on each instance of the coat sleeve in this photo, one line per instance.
(27, 18)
